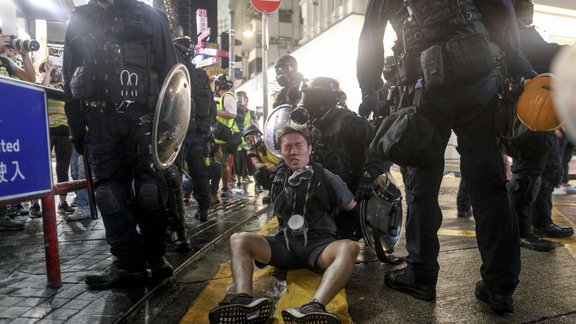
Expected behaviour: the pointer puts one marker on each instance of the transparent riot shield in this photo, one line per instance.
(381, 219)
(172, 116)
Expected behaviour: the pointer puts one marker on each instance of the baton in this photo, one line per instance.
(90, 187)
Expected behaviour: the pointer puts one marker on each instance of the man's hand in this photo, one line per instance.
(368, 105)
(365, 188)
(78, 139)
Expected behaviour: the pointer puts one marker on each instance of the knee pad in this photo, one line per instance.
(107, 202)
(147, 196)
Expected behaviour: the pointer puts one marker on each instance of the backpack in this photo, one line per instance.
(204, 106)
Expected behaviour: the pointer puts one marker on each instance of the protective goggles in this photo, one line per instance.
(297, 177)
(252, 139)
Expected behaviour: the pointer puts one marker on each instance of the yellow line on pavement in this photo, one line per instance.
(559, 218)
(301, 285)
(453, 232)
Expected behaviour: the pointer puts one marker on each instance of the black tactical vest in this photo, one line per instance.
(118, 60)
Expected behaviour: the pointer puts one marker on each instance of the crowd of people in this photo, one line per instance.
(325, 160)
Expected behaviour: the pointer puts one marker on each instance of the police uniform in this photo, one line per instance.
(197, 145)
(468, 108)
(534, 175)
(114, 63)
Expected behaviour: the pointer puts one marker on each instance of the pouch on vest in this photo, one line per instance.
(83, 81)
(409, 68)
(405, 138)
(470, 57)
(462, 59)
(436, 18)
(434, 70)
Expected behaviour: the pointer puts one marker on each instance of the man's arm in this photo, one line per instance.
(166, 54)
(229, 104)
(27, 73)
(500, 20)
(370, 61)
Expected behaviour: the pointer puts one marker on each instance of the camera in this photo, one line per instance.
(28, 45)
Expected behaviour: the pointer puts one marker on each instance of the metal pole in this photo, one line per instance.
(231, 44)
(265, 66)
(51, 241)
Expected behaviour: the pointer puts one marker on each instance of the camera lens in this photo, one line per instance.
(28, 45)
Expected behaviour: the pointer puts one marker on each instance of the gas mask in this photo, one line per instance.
(300, 115)
(283, 73)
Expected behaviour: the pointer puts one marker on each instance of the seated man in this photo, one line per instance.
(306, 238)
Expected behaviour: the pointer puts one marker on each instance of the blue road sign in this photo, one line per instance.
(25, 166)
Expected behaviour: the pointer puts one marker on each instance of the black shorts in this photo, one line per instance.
(299, 256)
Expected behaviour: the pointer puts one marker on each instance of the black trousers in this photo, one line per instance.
(196, 153)
(127, 188)
(469, 111)
(537, 210)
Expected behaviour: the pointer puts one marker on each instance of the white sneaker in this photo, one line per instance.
(570, 189)
(79, 214)
(559, 191)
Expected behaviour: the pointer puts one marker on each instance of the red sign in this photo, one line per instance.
(266, 6)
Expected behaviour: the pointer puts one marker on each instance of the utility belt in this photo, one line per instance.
(459, 60)
(110, 108)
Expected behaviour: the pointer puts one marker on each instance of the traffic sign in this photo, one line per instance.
(25, 164)
(266, 6)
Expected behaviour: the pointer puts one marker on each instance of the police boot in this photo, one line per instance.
(115, 277)
(553, 230)
(202, 215)
(160, 268)
(403, 280)
(532, 242)
(499, 303)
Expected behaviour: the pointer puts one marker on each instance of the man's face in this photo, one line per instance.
(295, 151)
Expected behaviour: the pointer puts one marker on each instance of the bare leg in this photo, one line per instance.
(338, 258)
(247, 247)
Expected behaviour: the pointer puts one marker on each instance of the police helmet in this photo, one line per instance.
(321, 94)
(222, 82)
(535, 106)
(252, 135)
(184, 45)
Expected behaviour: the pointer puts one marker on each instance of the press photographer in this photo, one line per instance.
(8, 67)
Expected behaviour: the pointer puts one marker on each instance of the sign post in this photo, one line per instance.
(266, 7)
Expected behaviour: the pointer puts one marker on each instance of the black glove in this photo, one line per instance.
(365, 188)
(368, 105)
(78, 139)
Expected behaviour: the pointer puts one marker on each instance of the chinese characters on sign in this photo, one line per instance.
(25, 163)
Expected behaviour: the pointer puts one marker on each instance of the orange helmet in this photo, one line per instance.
(535, 107)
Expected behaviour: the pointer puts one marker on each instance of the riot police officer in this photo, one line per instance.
(197, 139)
(340, 139)
(448, 70)
(537, 170)
(118, 52)
(289, 79)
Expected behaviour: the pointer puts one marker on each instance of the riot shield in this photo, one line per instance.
(278, 118)
(381, 219)
(171, 117)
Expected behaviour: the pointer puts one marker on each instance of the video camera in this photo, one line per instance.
(28, 45)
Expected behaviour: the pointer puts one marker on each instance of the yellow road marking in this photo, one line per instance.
(301, 285)
(453, 232)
